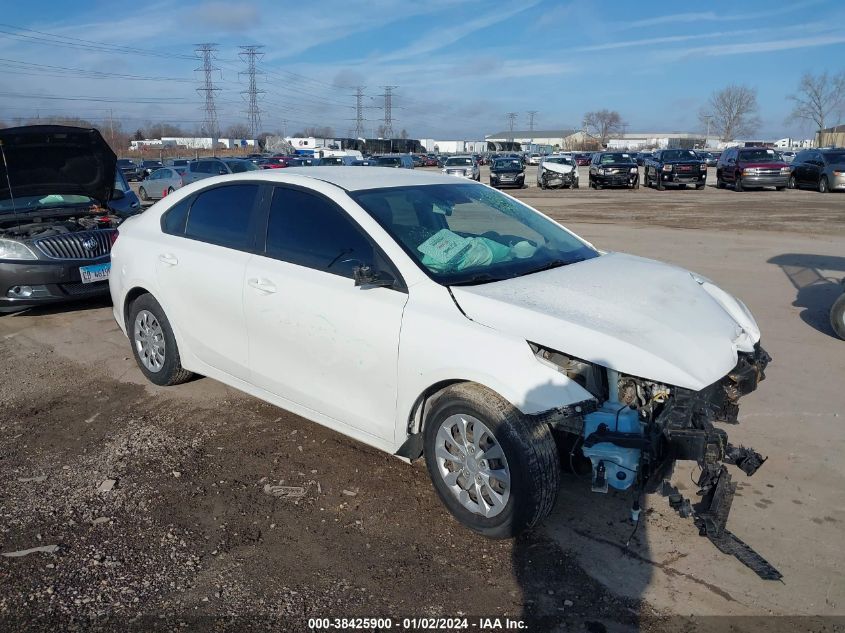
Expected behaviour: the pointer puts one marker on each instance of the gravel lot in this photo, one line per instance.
(188, 534)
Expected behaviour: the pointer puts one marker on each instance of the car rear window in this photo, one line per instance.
(223, 215)
(758, 155)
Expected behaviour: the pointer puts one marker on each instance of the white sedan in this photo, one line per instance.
(433, 317)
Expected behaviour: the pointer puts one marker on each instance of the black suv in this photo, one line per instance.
(676, 167)
(129, 169)
(614, 169)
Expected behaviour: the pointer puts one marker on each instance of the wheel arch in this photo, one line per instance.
(128, 299)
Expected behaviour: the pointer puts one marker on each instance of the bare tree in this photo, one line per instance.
(603, 124)
(820, 99)
(732, 112)
(237, 130)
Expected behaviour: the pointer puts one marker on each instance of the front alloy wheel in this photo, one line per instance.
(823, 187)
(148, 339)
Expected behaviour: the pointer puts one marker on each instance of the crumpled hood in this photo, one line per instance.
(637, 316)
(558, 167)
(45, 160)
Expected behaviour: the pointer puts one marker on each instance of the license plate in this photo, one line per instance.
(95, 272)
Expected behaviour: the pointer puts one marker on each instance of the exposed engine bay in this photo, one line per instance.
(49, 227)
(633, 432)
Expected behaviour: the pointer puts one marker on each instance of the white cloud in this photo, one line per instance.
(442, 37)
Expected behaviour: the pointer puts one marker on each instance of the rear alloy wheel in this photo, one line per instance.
(494, 469)
(837, 317)
(823, 187)
(143, 194)
(793, 183)
(169, 190)
(153, 343)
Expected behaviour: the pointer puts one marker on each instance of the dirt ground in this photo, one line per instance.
(188, 538)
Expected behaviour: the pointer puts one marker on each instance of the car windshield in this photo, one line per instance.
(758, 155)
(388, 161)
(560, 160)
(52, 201)
(835, 157)
(508, 163)
(607, 159)
(459, 161)
(679, 154)
(238, 166)
(469, 233)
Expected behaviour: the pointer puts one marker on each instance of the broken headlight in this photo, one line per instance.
(10, 249)
(592, 377)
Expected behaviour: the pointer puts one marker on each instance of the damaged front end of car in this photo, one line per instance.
(633, 432)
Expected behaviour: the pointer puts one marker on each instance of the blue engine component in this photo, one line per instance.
(613, 465)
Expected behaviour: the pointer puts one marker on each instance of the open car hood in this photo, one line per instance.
(557, 167)
(56, 159)
(635, 315)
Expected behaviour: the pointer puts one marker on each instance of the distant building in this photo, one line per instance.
(661, 140)
(192, 142)
(831, 137)
(453, 147)
(793, 143)
(558, 139)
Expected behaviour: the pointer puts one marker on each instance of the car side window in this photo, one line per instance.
(173, 220)
(224, 216)
(309, 230)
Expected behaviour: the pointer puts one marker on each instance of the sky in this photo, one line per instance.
(459, 66)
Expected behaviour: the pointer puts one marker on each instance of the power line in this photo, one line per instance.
(388, 110)
(210, 124)
(359, 111)
(511, 121)
(250, 54)
(531, 115)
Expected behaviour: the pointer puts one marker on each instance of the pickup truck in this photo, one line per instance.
(675, 167)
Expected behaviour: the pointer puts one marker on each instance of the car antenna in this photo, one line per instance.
(9, 184)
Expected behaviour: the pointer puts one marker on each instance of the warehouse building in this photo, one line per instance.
(831, 137)
(556, 139)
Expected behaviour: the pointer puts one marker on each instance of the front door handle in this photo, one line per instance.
(262, 285)
(167, 258)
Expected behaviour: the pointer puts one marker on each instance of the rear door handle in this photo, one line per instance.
(167, 258)
(262, 285)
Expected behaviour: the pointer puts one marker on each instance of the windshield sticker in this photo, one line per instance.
(443, 246)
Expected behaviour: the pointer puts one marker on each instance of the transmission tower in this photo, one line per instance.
(511, 121)
(207, 89)
(531, 115)
(251, 54)
(388, 110)
(359, 112)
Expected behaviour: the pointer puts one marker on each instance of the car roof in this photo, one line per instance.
(350, 178)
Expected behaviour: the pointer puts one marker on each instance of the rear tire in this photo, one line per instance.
(837, 317)
(153, 343)
(823, 186)
(529, 460)
(142, 193)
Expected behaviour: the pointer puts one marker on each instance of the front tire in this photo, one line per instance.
(495, 470)
(153, 343)
(142, 193)
(793, 183)
(738, 183)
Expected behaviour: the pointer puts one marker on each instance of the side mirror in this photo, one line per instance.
(118, 194)
(367, 276)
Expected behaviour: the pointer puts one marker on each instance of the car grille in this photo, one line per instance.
(768, 171)
(455, 172)
(76, 289)
(81, 245)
